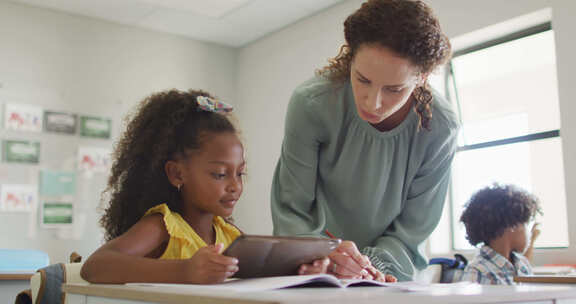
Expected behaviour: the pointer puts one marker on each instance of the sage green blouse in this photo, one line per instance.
(383, 190)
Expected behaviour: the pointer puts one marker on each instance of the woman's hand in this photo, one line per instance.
(390, 278)
(209, 266)
(346, 262)
(375, 274)
(318, 266)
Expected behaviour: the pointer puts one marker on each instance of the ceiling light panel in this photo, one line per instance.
(207, 8)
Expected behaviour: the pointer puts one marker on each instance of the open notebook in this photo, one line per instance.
(270, 283)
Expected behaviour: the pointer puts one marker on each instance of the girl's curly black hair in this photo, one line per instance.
(407, 27)
(165, 126)
(493, 209)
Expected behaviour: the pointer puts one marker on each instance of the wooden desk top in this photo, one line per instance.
(472, 293)
(15, 276)
(546, 279)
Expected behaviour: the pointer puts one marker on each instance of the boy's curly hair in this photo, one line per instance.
(493, 209)
(409, 28)
(165, 126)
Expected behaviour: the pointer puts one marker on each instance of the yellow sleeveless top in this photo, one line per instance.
(184, 242)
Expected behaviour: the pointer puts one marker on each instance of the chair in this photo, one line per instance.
(46, 283)
(429, 275)
(452, 269)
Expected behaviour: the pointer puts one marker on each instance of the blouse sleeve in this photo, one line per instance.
(293, 201)
(398, 251)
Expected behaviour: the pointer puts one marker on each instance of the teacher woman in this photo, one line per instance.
(368, 147)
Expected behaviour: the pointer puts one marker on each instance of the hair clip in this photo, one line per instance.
(212, 105)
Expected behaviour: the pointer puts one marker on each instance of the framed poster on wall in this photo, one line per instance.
(59, 122)
(19, 151)
(57, 183)
(97, 127)
(57, 213)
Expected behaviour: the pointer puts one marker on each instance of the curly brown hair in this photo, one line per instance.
(165, 126)
(493, 209)
(409, 28)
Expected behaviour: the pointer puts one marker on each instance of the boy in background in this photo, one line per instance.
(498, 217)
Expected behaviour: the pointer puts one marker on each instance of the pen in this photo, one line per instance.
(370, 268)
(329, 234)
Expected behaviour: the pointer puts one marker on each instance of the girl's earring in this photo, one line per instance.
(179, 186)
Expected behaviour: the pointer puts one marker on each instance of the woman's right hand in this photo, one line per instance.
(209, 266)
(346, 262)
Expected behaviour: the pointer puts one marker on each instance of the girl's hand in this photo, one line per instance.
(346, 262)
(318, 266)
(208, 266)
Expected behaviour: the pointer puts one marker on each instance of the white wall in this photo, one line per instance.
(268, 71)
(82, 65)
(270, 68)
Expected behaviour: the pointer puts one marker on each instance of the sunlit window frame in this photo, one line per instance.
(450, 83)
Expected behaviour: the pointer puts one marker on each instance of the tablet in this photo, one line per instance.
(266, 256)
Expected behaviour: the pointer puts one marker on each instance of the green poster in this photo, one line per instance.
(57, 213)
(95, 127)
(16, 151)
(57, 183)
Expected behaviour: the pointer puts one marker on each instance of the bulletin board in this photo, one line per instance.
(53, 167)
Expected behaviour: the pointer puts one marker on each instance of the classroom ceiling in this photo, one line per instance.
(232, 23)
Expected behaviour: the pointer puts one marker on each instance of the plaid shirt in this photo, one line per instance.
(490, 267)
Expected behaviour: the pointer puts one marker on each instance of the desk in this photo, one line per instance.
(15, 276)
(122, 294)
(546, 279)
(11, 284)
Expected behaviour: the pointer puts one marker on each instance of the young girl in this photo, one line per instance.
(176, 178)
(497, 217)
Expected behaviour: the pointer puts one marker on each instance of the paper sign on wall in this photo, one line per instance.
(21, 117)
(93, 159)
(20, 198)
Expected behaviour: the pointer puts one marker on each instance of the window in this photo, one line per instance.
(505, 92)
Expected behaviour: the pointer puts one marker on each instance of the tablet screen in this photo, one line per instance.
(265, 256)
